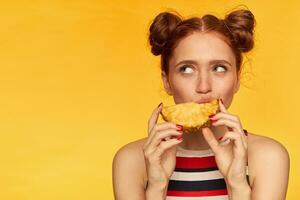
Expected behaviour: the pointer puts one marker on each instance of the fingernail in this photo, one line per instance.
(213, 120)
(179, 138)
(246, 132)
(220, 138)
(222, 100)
(159, 105)
(179, 127)
(211, 116)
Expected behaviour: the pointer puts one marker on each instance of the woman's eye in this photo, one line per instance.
(183, 69)
(220, 68)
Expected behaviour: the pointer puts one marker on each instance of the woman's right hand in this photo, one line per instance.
(160, 149)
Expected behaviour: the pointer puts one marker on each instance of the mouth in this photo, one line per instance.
(204, 101)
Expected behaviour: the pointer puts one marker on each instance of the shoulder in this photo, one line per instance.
(132, 150)
(266, 147)
(129, 158)
(269, 164)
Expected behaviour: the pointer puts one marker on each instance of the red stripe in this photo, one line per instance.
(195, 162)
(197, 193)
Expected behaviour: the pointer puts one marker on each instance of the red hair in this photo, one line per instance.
(168, 29)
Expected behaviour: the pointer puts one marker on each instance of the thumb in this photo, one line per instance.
(210, 138)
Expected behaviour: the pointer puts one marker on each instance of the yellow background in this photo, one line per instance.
(78, 81)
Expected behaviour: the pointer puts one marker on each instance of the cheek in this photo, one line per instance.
(226, 89)
(182, 90)
(223, 84)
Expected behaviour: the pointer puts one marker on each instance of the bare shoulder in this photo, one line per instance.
(132, 152)
(260, 145)
(129, 159)
(265, 157)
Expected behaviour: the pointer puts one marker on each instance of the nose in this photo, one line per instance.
(203, 83)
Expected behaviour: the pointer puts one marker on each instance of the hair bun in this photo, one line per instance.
(160, 30)
(241, 24)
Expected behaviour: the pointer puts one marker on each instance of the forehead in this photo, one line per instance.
(202, 47)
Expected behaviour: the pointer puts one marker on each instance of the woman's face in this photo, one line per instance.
(202, 68)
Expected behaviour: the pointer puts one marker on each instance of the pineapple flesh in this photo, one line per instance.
(192, 116)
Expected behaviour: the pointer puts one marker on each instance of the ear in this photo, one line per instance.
(237, 85)
(166, 83)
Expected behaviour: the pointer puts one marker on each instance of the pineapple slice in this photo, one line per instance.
(192, 116)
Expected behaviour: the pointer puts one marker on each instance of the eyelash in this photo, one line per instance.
(187, 66)
(221, 66)
(183, 67)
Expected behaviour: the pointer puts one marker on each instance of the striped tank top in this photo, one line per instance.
(196, 177)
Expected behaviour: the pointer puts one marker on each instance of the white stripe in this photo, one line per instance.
(181, 154)
(220, 197)
(196, 176)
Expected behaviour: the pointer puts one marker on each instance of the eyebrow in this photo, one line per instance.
(210, 62)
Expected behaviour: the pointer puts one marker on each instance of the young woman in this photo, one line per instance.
(200, 61)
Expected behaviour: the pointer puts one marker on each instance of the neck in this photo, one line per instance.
(196, 141)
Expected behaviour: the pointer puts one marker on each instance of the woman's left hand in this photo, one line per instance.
(231, 157)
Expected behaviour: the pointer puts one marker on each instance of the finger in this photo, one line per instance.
(237, 140)
(235, 126)
(231, 117)
(161, 136)
(222, 106)
(179, 128)
(225, 115)
(166, 145)
(160, 127)
(154, 117)
(232, 126)
(210, 138)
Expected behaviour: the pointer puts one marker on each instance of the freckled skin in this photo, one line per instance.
(202, 81)
(205, 77)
